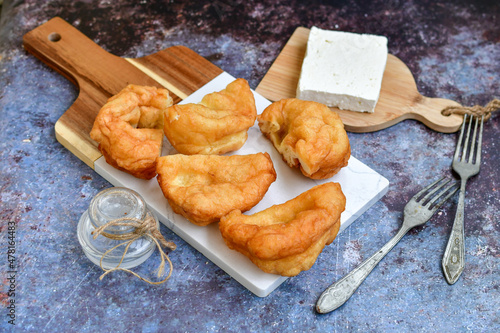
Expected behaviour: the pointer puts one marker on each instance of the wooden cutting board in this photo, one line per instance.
(99, 75)
(399, 97)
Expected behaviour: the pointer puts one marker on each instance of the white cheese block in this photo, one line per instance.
(343, 69)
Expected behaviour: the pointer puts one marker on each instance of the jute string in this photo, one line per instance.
(147, 227)
(475, 110)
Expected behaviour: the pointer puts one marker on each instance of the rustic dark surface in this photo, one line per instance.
(451, 47)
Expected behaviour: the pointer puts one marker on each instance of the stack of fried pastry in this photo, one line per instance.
(128, 129)
(203, 188)
(286, 239)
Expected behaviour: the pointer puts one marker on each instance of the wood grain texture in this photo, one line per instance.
(399, 97)
(99, 75)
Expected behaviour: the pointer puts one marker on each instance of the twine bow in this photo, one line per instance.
(475, 110)
(147, 227)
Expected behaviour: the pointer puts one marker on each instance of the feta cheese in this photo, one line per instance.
(343, 69)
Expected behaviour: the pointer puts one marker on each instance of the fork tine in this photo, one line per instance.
(473, 146)
(459, 142)
(466, 142)
(479, 142)
(453, 187)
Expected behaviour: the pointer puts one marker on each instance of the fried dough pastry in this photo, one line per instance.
(129, 131)
(286, 239)
(217, 125)
(203, 188)
(308, 135)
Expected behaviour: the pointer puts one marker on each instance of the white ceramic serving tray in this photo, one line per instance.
(361, 185)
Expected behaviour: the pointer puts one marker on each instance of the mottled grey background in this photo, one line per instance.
(451, 47)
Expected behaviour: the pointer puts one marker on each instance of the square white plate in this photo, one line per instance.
(361, 185)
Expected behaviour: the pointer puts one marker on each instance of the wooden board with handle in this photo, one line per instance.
(99, 75)
(399, 97)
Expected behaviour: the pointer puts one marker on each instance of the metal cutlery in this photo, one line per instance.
(417, 211)
(466, 163)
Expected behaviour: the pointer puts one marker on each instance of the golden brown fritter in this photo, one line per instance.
(203, 188)
(128, 129)
(217, 125)
(308, 135)
(286, 239)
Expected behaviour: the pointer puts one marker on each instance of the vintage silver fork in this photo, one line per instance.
(417, 211)
(466, 165)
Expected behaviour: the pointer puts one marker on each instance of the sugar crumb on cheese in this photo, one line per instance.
(343, 69)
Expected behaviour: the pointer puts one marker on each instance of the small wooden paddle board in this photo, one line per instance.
(399, 97)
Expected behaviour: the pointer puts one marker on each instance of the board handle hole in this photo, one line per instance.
(54, 37)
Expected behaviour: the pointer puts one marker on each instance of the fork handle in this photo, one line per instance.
(454, 256)
(339, 292)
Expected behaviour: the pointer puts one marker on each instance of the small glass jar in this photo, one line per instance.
(108, 205)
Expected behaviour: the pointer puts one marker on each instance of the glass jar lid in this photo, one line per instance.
(115, 203)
